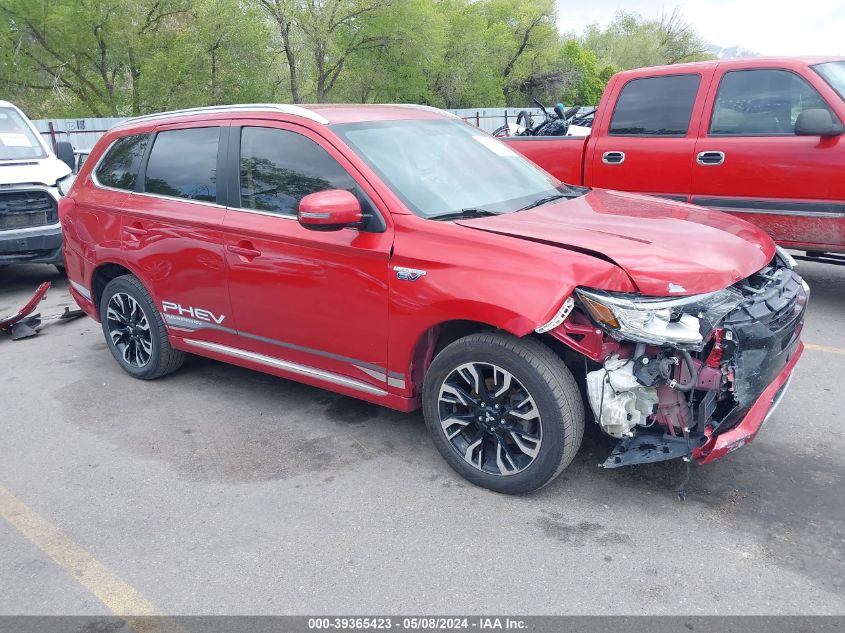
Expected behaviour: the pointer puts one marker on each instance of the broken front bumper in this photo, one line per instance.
(739, 378)
(743, 433)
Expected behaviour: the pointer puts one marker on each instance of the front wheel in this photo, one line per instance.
(505, 413)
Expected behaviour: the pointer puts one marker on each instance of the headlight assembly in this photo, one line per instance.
(681, 321)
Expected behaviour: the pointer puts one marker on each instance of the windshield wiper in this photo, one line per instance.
(546, 199)
(470, 212)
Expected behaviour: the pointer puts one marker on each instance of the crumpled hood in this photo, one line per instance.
(667, 248)
(44, 171)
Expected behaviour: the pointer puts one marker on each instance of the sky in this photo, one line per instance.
(767, 27)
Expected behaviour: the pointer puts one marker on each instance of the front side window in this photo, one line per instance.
(442, 166)
(17, 140)
(119, 167)
(655, 106)
(278, 168)
(764, 102)
(834, 74)
(183, 164)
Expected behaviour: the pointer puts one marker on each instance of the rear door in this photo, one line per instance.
(171, 231)
(646, 142)
(751, 163)
(317, 299)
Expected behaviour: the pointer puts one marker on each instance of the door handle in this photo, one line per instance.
(245, 250)
(710, 158)
(613, 158)
(135, 229)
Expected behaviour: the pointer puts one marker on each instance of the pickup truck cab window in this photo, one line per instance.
(762, 102)
(278, 168)
(119, 167)
(834, 74)
(183, 164)
(427, 164)
(655, 106)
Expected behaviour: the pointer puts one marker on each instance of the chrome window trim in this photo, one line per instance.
(99, 185)
(267, 213)
(176, 199)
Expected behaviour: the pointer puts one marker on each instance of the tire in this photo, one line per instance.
(149, 355)
(60, 269)
(540, 404)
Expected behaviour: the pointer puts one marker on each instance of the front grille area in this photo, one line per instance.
(23, 209)
(766, 329)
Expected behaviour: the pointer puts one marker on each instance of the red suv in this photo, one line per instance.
(399, 255)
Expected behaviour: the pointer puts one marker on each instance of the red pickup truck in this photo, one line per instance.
(760, 138)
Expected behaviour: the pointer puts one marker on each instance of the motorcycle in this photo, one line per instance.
(560, 122)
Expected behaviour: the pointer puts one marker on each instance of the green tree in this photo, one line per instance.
(630, 41)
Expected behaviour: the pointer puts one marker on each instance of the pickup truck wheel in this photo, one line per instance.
(135, 331)
(504, 412)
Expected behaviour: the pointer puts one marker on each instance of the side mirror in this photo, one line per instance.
(329, 210)
(817, 122)
(64, 152)
(64, 184)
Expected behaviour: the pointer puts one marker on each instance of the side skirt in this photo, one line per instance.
(295, 371)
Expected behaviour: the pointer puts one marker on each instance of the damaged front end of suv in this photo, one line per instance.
(689, 377)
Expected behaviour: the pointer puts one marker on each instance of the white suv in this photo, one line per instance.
(29, 177)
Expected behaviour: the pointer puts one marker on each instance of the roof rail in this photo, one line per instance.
(222, 109)
(427, 108)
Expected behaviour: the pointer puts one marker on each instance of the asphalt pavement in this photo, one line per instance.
(220, 490)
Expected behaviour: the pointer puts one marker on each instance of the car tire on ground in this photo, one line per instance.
(504, 412)
(135, 331)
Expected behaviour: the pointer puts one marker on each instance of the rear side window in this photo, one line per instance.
(278, 168)
(119, 167)
(183, 164)
(655, 106)
(763, 102)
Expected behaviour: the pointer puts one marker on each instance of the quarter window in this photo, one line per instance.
(655, 106)
(278, 168)
(761, 102)
(183, 164)
(119, 168)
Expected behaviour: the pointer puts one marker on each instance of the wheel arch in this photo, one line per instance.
(105, 271)
(437, 336)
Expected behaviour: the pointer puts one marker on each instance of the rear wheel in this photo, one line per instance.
(135, 331)
(505, 413)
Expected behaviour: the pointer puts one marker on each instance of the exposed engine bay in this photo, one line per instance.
(665, 400)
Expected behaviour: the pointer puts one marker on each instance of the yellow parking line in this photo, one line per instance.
(825, 348)
(113, 592)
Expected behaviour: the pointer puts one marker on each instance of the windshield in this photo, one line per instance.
(440, 167)
(17, 139)
(834, 74)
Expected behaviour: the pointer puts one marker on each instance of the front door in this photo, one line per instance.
(317, 299)
(647, 144)
(751, 163)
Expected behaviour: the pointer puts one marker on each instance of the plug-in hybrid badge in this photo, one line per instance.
(408, 274)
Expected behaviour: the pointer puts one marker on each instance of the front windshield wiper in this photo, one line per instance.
(546, 199)
(470, 212)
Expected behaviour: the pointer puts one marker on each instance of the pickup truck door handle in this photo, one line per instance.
(711, 158)
(135, 229)
(613, 158)
(244, 250)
